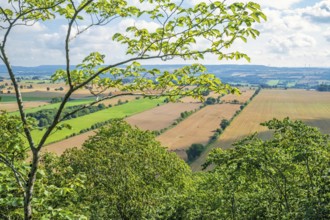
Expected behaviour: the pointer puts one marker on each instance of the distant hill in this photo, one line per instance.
(300, 77)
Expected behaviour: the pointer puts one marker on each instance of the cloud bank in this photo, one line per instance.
(297, 33)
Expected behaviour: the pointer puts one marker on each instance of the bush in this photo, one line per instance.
(210, 101)
(194, 151)
(206, 93)
(56, 100)
(224, 123)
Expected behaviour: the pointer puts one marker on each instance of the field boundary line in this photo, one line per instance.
(210, 145)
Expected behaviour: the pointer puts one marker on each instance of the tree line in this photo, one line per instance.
(323, 88)
(45, 117)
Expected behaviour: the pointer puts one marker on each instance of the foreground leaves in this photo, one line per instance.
(123, 173)
(286, 177)
(130, 176)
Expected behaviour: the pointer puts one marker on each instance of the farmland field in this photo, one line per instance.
(87, 121)
(309, 106)
(197, 128)
(12, 98)
(153, 119)
(161, 117)
(76, 102)
(12, 106)
(76, 141)
(35, 90)
(245, 96)
(272, 82)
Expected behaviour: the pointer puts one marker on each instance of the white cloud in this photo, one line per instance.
(319, 13)
(279, 4)
(149, 25)
(51, 41)
(285, 45)
(327, 35)
(290, 37)
(31, 28)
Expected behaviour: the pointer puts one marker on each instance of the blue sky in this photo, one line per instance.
(297, 33)
(305, 3)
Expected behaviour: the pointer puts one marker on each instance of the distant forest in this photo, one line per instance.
(323, 88)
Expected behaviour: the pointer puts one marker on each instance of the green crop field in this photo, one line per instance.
(56, 105)
(273, 82)
(291, 84)
(87, 121)
(12, 98)
(312, 107)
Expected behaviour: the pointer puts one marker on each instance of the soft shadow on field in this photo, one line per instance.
(322, 123)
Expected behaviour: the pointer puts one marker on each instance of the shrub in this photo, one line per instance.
(224, 123)
(194, 151)
(210, 101)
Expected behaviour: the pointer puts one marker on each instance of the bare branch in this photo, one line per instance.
(67, 39)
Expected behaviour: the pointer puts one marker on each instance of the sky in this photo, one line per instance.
(297, 33)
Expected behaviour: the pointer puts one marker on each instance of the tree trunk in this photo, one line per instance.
(30, 185)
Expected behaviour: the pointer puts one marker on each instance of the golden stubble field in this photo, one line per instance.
(76, 141)
(246, 93)
(12, 106)
(160, 117)
(197, 128)
(311, 107)
(48, 89)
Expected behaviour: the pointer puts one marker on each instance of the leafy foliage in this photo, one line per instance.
(286, 177)
(14, 169)
(137, 179)
(180, 28)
